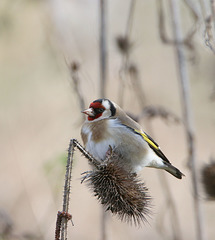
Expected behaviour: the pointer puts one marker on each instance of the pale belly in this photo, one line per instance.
(131, 148)
(99, 150)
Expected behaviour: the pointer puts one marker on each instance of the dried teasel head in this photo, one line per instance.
(120, 191)
(208, 179)
(124, 45)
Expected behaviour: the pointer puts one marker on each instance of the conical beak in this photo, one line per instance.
(89, 112)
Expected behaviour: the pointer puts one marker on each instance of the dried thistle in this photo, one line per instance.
(124, 45)
(74, 66)
(208, 179)
(120, 191)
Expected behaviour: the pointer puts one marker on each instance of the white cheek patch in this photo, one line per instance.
(106, 104)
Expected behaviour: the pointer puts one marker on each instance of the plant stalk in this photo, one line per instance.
(187, 116)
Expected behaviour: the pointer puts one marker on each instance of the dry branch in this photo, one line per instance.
(150, 112)
(187, 116)
(124, 45)
(117, 189)
(187, 40)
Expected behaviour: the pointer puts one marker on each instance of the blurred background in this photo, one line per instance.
(45, 47)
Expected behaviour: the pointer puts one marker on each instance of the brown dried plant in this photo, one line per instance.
(208, 179)
(119, 191)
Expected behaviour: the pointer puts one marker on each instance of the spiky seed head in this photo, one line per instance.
(120, 191)
(208, 179)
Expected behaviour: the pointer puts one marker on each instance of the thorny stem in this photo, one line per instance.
(186, 104)
(63, 217)
(96, 164)
(67, 188)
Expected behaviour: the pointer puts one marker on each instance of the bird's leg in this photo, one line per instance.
(108, 155)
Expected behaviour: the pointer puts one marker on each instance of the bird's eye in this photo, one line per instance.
(100, 110)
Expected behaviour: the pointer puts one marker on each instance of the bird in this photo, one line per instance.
(108, 126)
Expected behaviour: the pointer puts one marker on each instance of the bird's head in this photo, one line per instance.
(100, 109)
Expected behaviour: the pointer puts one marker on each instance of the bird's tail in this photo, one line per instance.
(173, 170)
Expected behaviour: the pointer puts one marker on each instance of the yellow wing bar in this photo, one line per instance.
(148, 139)
(152, 144)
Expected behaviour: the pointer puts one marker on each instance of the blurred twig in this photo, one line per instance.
(74, 71)
(187, 115)
(103, 46)
(208, 34)
(171, 207)
(150, 112)
(6, 225)
(124, 45)
(187, 40)
(208, 16)
(136, 84)
(212, 95)
(159, 111)
(103, 79)
(213, 11)
(193, 9)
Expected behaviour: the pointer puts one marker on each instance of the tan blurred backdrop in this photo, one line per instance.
(40, 113)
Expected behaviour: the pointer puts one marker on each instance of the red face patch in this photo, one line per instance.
(98, 109)
(95, 105)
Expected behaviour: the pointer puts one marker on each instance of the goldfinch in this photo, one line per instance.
(107, 125)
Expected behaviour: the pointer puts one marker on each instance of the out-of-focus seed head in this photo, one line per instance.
(123, 44)
(208, 179)
(74, 66)
(133, 69)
